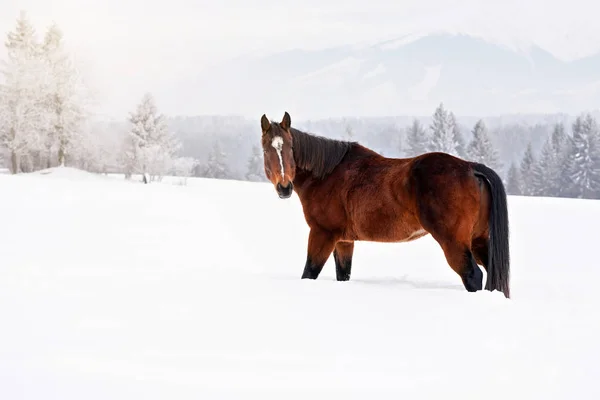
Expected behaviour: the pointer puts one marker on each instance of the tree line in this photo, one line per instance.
(565, 164)
(568, 165)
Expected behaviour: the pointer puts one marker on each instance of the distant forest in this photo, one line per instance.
(555, 155)
(546, 155)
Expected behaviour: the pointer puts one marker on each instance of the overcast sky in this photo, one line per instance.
(117, 38)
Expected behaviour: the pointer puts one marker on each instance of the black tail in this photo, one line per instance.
(498, 268)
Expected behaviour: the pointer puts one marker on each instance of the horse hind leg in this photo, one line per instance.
(480, 249)
(456, 245)
(461, 260)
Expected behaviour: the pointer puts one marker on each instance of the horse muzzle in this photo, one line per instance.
(285, 192)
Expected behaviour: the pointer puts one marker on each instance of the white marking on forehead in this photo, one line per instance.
(277, 143)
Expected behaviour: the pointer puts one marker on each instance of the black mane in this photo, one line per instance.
(317, 154)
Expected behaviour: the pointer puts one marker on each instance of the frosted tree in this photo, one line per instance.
(151, 146)
(63, 97)
(544, 176)
(443, 132)
(513, 185)
(183, 167)
(481, 148)
(217, 167)
(20, 116)
(526, 171)
(160, 157)
(417, 140)
(457, 136)
(256, 170)
(128, 157)
(561, 146)
(559, 137)
(549, 178)
(584, 163)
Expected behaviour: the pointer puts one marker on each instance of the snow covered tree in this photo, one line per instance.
(151, 146)
(63, 98)
(481, 148)
(20, 116)
(183, 167)
(559, 137)
(584, 161)
(543, 174)
(417, 140)
(548, 176)
(513, 185)
(256, 169)
(526, 170)
(561, 146)
(216, 166)
(457, 136)
(443, 132)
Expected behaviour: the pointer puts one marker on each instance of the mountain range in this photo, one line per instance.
(407, 76)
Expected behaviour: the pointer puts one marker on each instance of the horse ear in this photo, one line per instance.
(265, 124)
(286, 122)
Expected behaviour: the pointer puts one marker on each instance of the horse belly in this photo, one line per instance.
(379, 227)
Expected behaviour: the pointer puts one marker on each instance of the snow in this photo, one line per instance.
(402, 41)
(70, 174)
(112, 289)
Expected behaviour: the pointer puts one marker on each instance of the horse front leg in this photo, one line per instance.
(342, 255)
(320, 246)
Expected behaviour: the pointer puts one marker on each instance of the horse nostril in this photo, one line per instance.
(284, 191)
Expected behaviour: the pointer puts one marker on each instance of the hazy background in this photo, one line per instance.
(344, 69)
(131, 46)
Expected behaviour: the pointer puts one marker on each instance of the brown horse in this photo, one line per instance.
(349, 192)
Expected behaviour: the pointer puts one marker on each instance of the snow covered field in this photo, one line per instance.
(116, 290)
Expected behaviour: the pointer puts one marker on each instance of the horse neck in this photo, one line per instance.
(317, 156)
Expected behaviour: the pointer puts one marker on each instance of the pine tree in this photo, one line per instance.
(443, 132)
(548, 175)
(526, 170)
(457, 137)
(256, 165)
(151, 144)
(217, 166)
(63, 101)
(543, 172)
(20, 112)
(561, 145)
(514, 183)
(559, 137)
(584, 162)
(481, 148)
(417, 141)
